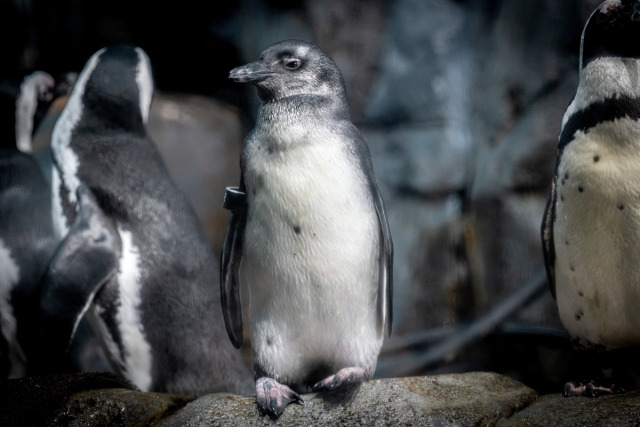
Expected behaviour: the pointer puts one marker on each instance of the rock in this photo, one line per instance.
(465, 399)
(81, 399)
(114, 407)
(554, 409)
(200, 141)
(476, 398)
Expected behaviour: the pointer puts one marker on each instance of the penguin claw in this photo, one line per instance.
(272, 397)
(342, 378)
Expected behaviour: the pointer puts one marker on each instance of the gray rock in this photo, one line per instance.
(463, 399)
(556, 410)
(114, 407)
(200, 141)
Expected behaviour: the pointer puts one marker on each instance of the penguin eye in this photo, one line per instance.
(292, 63)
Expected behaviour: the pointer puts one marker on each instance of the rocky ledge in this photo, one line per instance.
(477, 398)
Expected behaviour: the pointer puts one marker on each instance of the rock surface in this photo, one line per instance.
(467, 399)
(476, 398)
(554, 410)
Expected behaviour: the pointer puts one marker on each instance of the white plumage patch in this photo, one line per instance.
(597, 226)
(61, 145)
(9, 276)
(60, 226)
(26, 105)
(145, 83)
(310, 255)
(605, 78)
(137, 359)
(597, 235)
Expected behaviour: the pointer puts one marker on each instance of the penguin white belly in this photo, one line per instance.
(310, 260)
(597, 236)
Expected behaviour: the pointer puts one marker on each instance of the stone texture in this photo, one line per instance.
(464, 399)
(200, 141)
(475, 398)
(556, 410)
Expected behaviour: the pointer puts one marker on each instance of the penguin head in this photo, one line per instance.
(116, 86)
(292, 67)
(612, 30)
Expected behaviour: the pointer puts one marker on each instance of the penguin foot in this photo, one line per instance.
(272, 397)
(590, 389)
(344, 377)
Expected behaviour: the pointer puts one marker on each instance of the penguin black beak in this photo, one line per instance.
(254, 72)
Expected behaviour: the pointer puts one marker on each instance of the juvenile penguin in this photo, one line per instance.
(591, 227)
(134, 258)
(311, 240)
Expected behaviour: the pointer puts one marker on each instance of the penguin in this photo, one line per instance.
(591, 226)
(27, 241)
(133, 258)
(37, 86)
(308, 236)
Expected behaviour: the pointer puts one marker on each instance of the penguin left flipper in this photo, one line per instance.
(384, 307)
(548, 247)
(84, 261)
(235, 201)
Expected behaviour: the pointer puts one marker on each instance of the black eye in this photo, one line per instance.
(292, 64)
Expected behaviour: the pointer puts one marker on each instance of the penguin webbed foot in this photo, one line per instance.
(344, 377)
(272, 397)
(590, 389)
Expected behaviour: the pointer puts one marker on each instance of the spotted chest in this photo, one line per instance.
(597, 235)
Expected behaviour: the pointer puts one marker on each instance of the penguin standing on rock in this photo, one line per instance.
(134, 258)
(591, 227)
(308, 235)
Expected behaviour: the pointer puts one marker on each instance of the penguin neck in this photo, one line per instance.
(292, 121)
(304, 107)
(109, 120)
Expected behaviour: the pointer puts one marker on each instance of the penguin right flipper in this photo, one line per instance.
(548, 247)
(84, 261)
(235, 201)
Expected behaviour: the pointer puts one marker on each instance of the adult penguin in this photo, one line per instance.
(27, 240)
(134, 258)
(591, 228)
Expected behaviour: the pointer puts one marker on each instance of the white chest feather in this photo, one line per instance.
(310, 256)
(136, 359)
(597, 235)
(67, 160)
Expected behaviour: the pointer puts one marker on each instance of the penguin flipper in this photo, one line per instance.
(385, 262)
(235, 201)
(384, 309)
(84, 261)
(548, 247)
